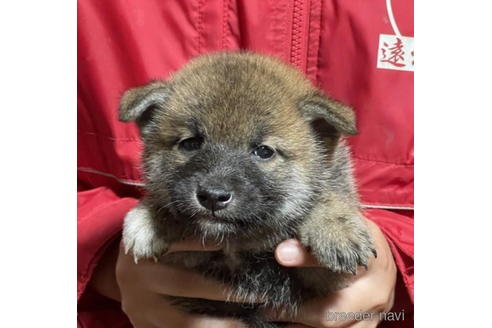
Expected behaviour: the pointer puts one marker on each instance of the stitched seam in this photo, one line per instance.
(225, 21)
(389, 207)
(381, 161)
(199, 26)
(318, 82)
(109, 137)
(124, 180)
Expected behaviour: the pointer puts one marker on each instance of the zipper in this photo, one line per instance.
(296, 47)
(305, 36)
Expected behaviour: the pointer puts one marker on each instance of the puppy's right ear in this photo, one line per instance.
(139, 104)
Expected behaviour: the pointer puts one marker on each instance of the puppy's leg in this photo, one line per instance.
(141, 236)
(337, 235)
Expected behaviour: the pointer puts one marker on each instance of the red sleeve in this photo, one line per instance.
(398, 230)
(100, 219)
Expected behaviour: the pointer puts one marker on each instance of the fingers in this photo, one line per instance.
(199, 321)
(173, 281)
(346, 306)
(206, 322)
(291, 253)
(365, 323)
(321, 313)
(318, 313)
(159, 313)
(169, 280)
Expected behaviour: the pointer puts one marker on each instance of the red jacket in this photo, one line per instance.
(122, 44)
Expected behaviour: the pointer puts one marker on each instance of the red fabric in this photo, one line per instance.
(100, 216)
(122, 44)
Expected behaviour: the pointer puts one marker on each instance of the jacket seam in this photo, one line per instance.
(317, 77)
(387, 207)
(225, 22)
(124, 180)
(122, 139)
(199, 26)
(141, 184)
(380, 161)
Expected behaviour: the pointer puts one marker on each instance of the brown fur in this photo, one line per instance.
(236, 101)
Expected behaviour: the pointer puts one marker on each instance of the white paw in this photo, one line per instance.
(139, 235)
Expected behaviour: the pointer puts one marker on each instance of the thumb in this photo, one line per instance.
(291, 253)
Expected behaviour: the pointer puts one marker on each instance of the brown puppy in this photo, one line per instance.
(242, 149)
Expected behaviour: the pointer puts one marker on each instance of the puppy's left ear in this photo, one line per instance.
(338, 116)
(138, 104)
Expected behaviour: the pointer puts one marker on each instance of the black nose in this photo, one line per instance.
(214, 198)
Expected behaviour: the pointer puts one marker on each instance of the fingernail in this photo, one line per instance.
(288, 253)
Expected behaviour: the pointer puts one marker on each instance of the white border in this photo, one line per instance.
(38, 159)
(453, 172)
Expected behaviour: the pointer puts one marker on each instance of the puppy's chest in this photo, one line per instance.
(232, 259)
(248, 262)
(225, 263)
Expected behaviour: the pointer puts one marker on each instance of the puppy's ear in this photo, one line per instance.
(339, 117)
(139, 104)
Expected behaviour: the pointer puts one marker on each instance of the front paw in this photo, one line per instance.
(341, 245)
(141, 237)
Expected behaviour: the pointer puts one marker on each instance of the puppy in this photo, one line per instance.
(241, 149)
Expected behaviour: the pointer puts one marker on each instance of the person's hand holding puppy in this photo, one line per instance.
(143, 286)
(371, 291)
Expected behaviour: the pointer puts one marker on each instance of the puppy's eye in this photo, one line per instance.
(263, 152)
(191, 143)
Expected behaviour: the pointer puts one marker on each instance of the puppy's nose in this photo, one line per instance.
(214, 199)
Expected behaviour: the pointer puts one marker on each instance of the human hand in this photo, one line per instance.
(144, 286)
(370, 291)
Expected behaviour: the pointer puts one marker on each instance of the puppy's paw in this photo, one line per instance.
(342, 244)
(141, 237)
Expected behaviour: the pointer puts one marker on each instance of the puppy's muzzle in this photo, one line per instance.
(214, 198)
